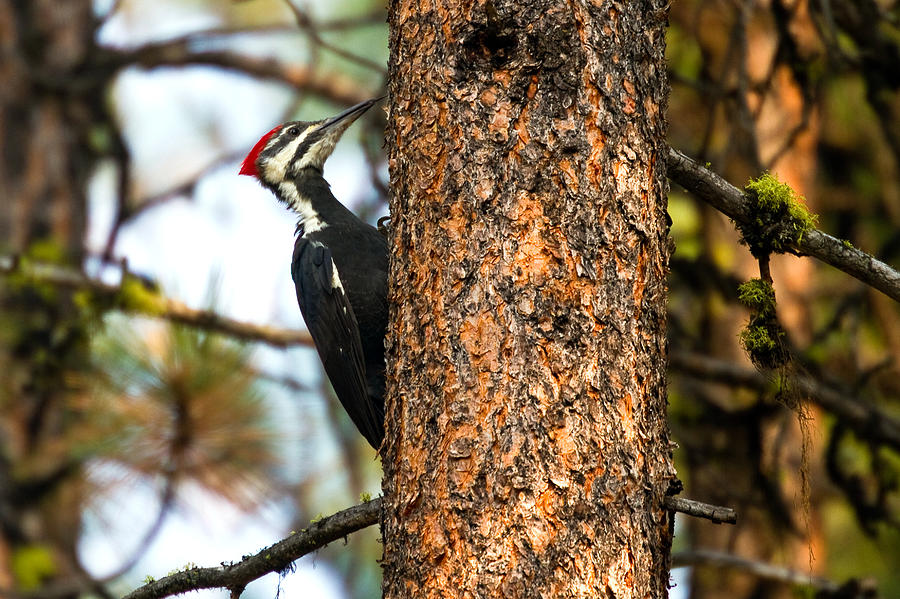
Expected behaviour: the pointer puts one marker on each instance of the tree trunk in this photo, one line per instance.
(45, 114)
(527, 450)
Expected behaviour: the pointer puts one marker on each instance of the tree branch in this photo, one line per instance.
(340, 89)
(758, 569)
(154, 304)
(306, 24)
(698, 509)
(867, 421)
(731, 201)
(275, 558)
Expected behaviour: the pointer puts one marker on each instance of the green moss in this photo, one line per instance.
(83, 299)
(100, 139)
(779, 218)
(25, 280)
(46, 250)
(92, 305)
(31, 565)
(39, 254)
(758, 295)
(758, 340)
(763, 337)
(683, 53)
(764, 343)
(134, 296)
(365, 497)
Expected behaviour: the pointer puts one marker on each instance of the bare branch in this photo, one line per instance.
(157, 306)
(166, 500)
(698, 509)
(866, 420)
(340, 89)
(275, 558)
(758, 569)
(377, 16)
(731, 201)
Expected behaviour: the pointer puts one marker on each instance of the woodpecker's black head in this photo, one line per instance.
(283, 153)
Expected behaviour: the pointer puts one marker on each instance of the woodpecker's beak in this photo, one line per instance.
(320, 138)
(349, 115)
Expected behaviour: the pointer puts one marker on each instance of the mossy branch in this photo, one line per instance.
(734, 203)
(280, 556)
(134, 295)
(778, 217)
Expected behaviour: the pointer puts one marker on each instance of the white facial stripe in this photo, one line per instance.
(321, 150)
(309, 218)
(276, 166)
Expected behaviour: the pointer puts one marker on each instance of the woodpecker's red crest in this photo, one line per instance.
(248, 167)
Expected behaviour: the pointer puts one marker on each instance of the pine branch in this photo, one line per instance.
(275, 558)
(732, 202)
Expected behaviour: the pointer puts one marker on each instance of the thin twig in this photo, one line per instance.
(183, 189)
(166, 500)
(306, 24)
(275, 558)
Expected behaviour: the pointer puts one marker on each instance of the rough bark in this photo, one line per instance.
(45, 115)
(527, 451)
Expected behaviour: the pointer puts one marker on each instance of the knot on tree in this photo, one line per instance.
(778, 218)
(492, 40)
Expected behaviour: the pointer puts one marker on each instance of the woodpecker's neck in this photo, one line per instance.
(309, 195)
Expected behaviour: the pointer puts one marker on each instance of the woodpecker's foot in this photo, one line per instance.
(384, 225)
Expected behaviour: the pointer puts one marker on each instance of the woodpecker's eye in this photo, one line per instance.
(294, 131)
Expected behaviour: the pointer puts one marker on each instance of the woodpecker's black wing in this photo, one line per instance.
(332, 324)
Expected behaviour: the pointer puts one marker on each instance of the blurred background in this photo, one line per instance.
(160, 406)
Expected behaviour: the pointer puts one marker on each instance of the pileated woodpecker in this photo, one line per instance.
(339, 267)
